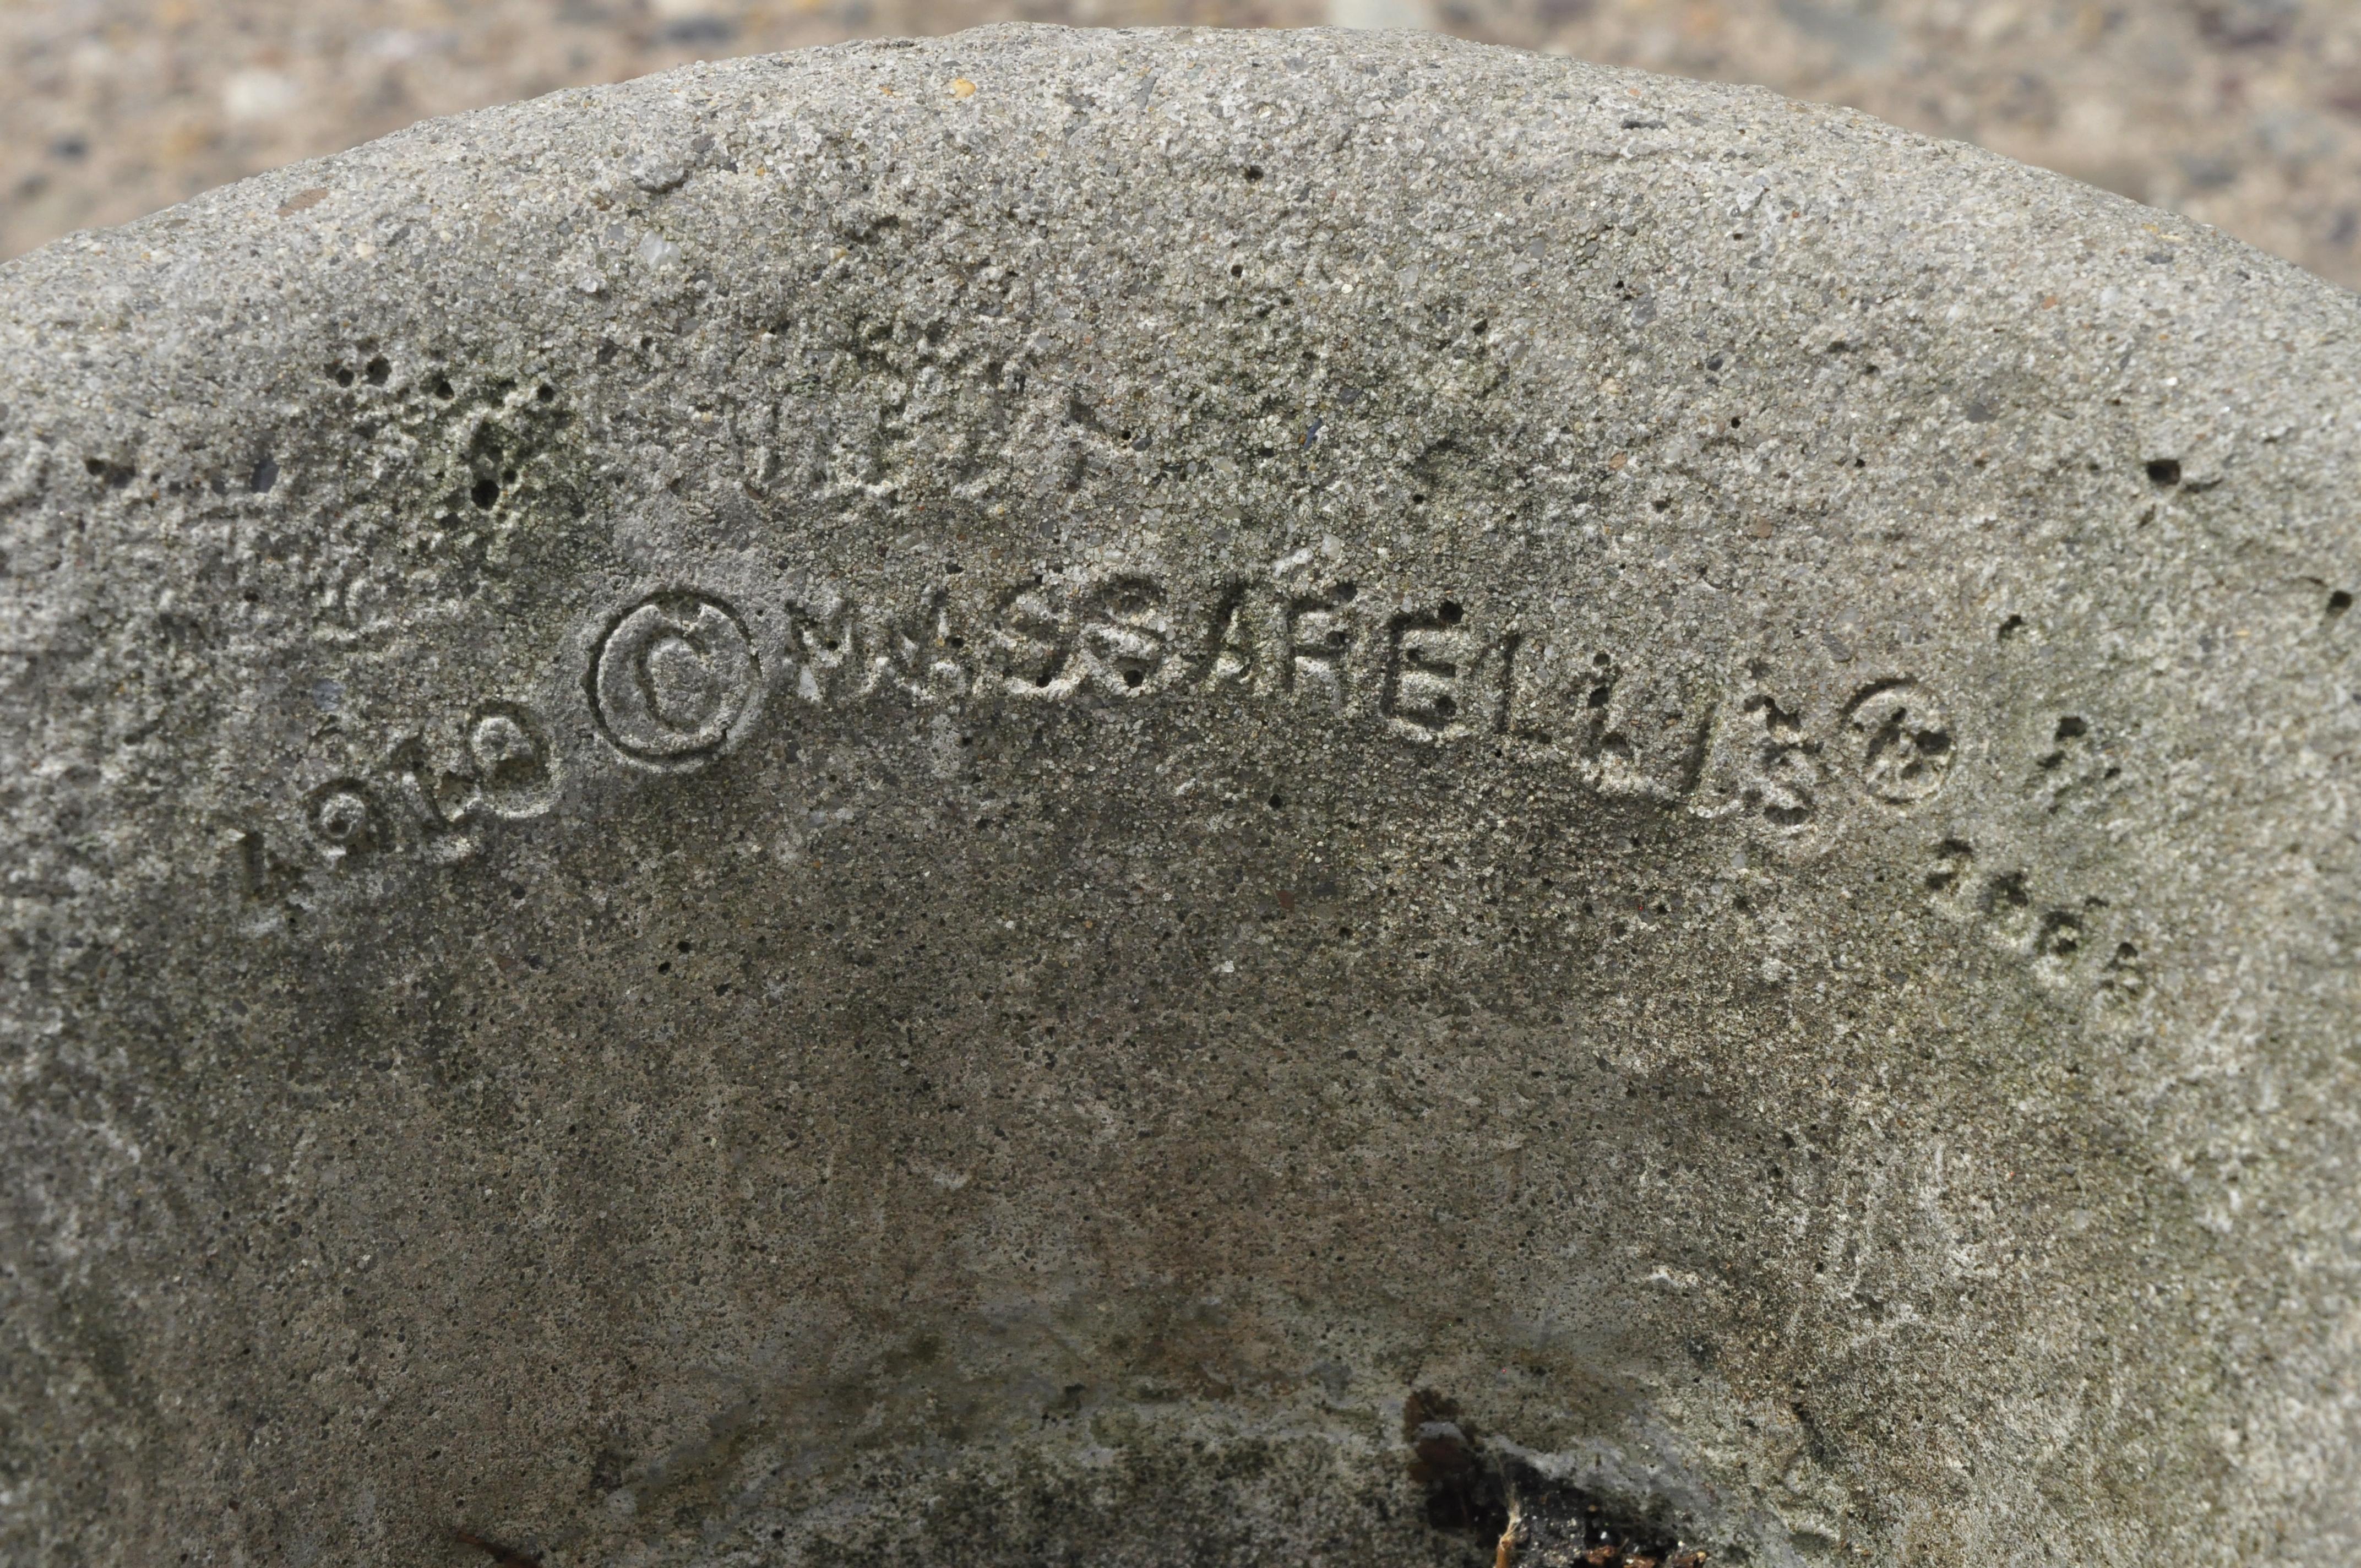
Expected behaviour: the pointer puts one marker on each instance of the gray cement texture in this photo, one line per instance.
(2244, 114)
(1176, 797)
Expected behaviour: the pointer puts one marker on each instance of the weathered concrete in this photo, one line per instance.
(1169, 797)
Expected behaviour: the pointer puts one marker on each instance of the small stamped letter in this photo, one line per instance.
(672, 677)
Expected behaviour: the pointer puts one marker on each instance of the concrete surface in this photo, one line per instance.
(2245, 113)
(1061, 798)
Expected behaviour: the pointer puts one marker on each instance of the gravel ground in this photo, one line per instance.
(2245, 113)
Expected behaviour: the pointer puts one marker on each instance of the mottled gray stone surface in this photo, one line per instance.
(1160, 797)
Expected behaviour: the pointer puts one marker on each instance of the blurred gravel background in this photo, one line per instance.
(2245, 113)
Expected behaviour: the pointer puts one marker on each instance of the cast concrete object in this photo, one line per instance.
(1177, 796)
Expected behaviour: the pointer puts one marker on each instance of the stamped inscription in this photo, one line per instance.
(677, 676)
(675, 679)
(671, 678)
(1898, 741)
(2066, 941)
(500, 769)
(435, 792)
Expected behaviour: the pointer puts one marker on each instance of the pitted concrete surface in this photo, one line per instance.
(1176, 797)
